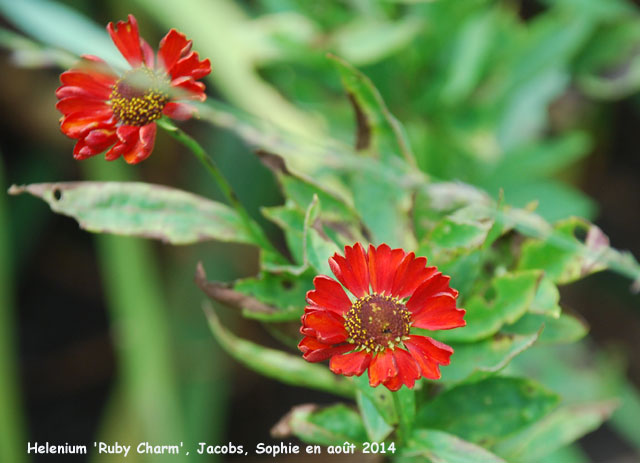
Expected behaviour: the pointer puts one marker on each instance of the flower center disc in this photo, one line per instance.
(139, 97)
(377, 322)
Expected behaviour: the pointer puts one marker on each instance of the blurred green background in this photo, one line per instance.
(103, 337)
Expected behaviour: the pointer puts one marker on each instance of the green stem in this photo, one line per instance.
(402, 431)
(252, 227)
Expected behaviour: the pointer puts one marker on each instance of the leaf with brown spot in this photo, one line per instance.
(141, 209)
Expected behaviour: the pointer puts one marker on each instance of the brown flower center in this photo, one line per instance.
(139, 97)
(377, 322)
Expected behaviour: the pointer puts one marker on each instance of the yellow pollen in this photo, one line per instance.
(139, 97)
(387, 323)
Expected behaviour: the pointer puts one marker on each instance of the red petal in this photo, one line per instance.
(324, 325)
(78, 124)
(147, 54)
(383, 263)
(425, 292)
(143, 146)
(428, 353)
(94, 143)
(191, 66)
(428, 367)
(436, 350)
(438, 283)
(172, 47)
(411, 274)
(393, 384)
(316, 351)
(127, 136)
(97, 67)
(179, 111)
(186, 88)
(352, 270)
(126, 37)
(408, 370)
(382, 368)
(439, 313)
(101, 138)
(351, 364)
(329, 295)
(82, 151)
(88, 82)
(68, 91)
(74, 105)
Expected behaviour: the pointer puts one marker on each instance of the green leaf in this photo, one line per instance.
(378, 129)
(318, 247)
(375, 424)
(606, 75)
(556, 430)
(546, 299)
(380, 397)
(141, 209)
(300, 189)
(276, 364)
(368, 40)
(290, 219)
(469, 56)
(473, 361)
(556, 200)
(405, 403)
(514, 293)
(384, 208)
(58, 25)
(440, 447)
(332, 425)
(561, 330)
(284, 291)
(487, 411)
(466, 228)
(557, 250)
(562, 256)
(542, 158)
(569, 454)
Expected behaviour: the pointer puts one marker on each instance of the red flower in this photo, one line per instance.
(393, 292)
(102, 109)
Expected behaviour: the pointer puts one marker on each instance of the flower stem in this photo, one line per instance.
(225, 187)
(402, 431)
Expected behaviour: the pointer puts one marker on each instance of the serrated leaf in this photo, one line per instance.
(489, 410)
(275, 364)
(440, 447)
(141, 209)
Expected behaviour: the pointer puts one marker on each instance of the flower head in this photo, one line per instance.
(106, 110)
(393, 292)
